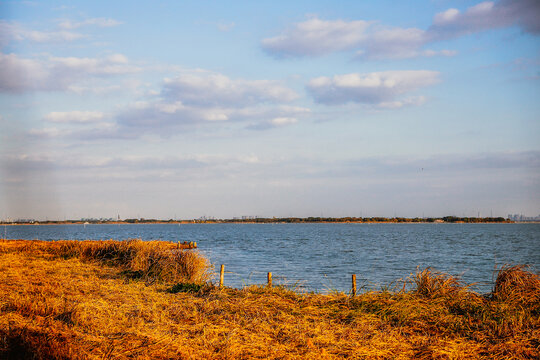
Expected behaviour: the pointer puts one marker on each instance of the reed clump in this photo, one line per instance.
(430, 284)
(150, 260)
(160, 261)
(517, 285)
(68, 301)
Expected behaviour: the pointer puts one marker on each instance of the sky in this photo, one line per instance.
(183, 109)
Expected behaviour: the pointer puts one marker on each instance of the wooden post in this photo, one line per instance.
(221, 272)
(353, 284)
(269, 279)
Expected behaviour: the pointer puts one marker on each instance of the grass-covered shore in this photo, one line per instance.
(150, 300)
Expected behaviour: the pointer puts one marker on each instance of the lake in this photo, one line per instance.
(322, 257)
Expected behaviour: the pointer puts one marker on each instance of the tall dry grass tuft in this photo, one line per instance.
(517, 285)
(152, 261)
(429, 283)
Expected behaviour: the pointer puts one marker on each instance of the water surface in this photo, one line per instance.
(322, 257)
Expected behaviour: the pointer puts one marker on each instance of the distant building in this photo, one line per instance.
(523, 218)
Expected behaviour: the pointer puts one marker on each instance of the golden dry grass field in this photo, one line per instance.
(149, 300)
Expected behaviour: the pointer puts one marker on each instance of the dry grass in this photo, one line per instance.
(431, 284)
(519, 286)
(68, 301)
(152, 261)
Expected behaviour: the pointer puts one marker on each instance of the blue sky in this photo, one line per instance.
(204, 108)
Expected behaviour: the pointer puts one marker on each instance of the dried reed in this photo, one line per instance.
(517, 285)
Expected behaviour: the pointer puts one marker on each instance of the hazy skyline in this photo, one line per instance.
(269, 108)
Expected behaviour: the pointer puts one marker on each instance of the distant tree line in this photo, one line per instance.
(311, 219)
(449, 219)
(446, 219)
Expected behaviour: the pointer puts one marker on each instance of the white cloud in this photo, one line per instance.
(304, 168)
(111, 65)
(445, 16)
(49, 132)
(94, 130)
(118, 59)
(317, 37)
(486, 15)
(281, 121)
(217, 89)
(17, 74)
(398, 43)
(56, 73)
(14, 31)
(167, 118)
(411, 101)
(394, 43)
(74, 116)
(50, 36)
(99, 22)
(129, 167)
(371, 40)
(192, 100)
(377, 88)
(160, 117)
(200, 98)
(273, 123)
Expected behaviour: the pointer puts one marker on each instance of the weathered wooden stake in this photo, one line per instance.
(353, 284)
(221, 272)
(269, 279)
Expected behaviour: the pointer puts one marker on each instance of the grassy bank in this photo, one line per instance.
(149, 300)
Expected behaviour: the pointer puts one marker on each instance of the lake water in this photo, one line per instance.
(322, 257)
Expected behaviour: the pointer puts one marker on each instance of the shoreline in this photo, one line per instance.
(272, 220)
(187, 222)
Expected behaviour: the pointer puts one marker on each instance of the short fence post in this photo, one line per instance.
(353, 285)
(269, 277)
(221, 272)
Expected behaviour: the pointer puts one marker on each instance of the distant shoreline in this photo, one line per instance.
(309, 220)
